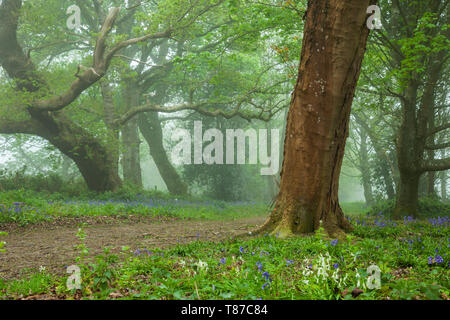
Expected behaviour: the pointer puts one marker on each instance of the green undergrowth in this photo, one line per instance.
(27, 207)
(412, 257)
(427, 207)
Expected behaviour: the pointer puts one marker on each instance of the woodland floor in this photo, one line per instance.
(53, 244)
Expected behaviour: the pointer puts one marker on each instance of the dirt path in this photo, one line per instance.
(52, 245)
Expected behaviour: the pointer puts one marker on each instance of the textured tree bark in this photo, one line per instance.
(92, 158)
(333, 47)
(408, 195)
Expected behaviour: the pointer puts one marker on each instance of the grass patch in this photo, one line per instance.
(28, 208)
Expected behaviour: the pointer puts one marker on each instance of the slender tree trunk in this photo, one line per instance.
(443, 176)
(385, 169)
(365, 169)
(150, 127)
(382, 156)
(431, 175)
(109, 111)
(431, 181)
(131, 161)
(444, 186)
(389, 183)
(131, 154)
(422, 186)
(333, 47)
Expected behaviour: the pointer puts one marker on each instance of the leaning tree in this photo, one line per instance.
(37, 100)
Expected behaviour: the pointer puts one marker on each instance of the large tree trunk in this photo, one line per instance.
(333, 47)
(95, 161)
(409, 154)
(408, 194)
(150, 127)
